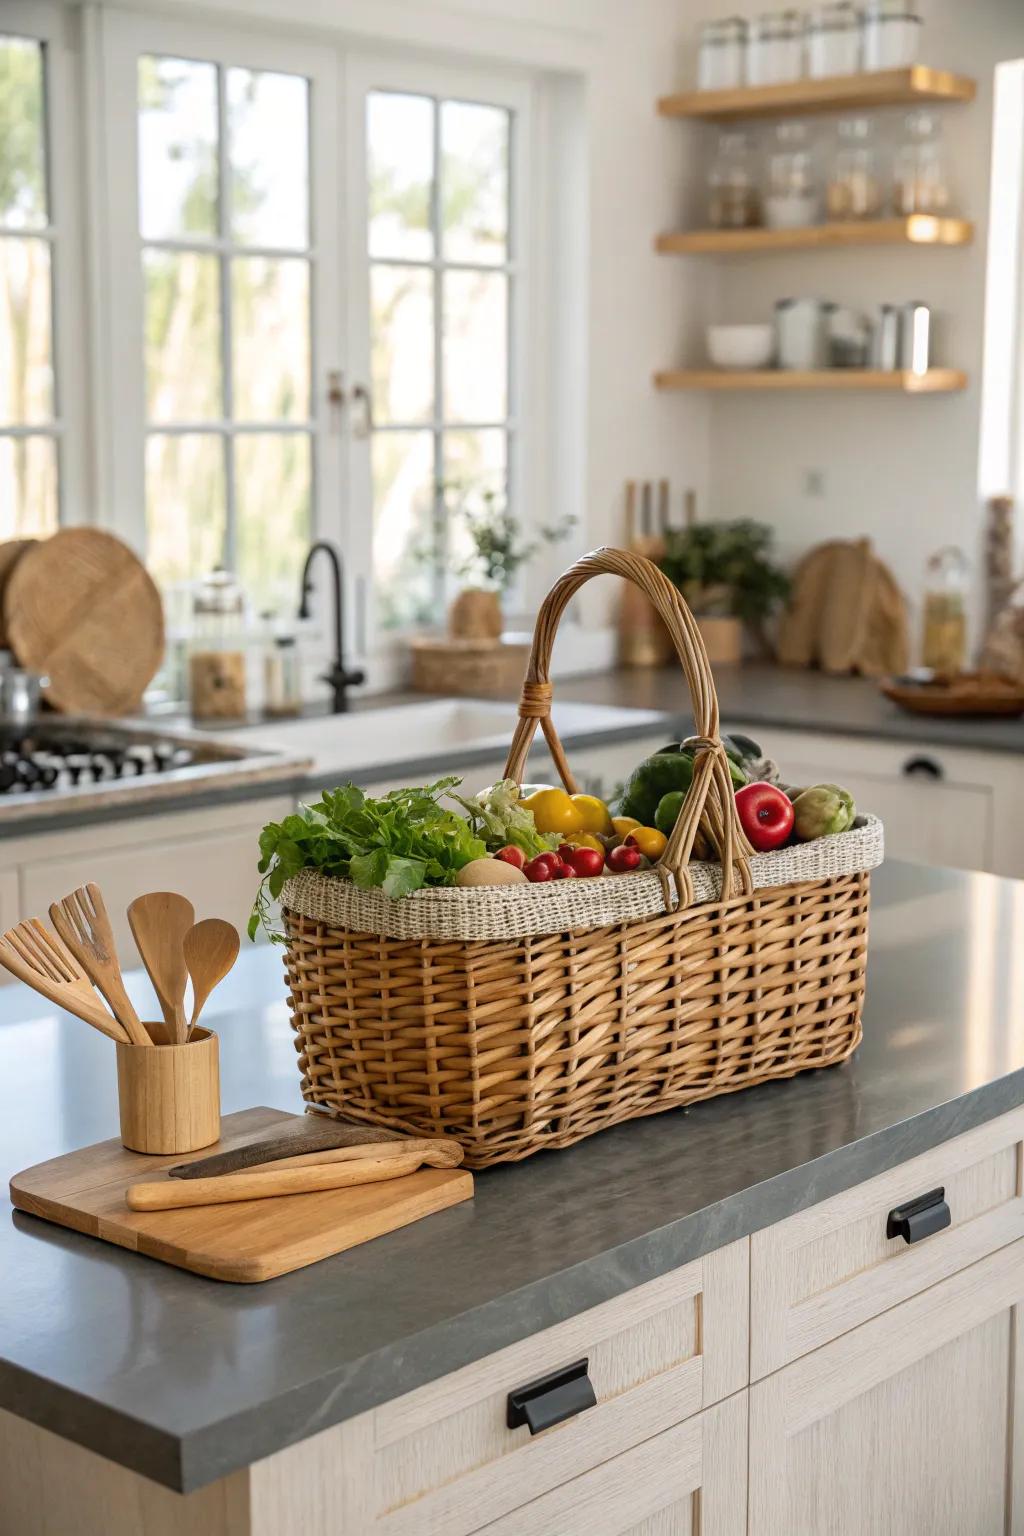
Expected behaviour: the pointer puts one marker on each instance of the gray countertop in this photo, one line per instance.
(185, 1379)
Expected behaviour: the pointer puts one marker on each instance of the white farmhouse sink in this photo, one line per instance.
(446, 728)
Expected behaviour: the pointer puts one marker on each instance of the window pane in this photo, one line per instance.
(185, 505)
(177, 148)
(400, 151)
(268, 146)
(475, 464)
(475, 346)
(183, 372)
(474, 182)
(26, 368)
(270, 335)
(273, 484)
(403, 527)
(22, 155)
(28, 487)
(402, 321)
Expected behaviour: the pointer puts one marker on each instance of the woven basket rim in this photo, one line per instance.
(518, 911)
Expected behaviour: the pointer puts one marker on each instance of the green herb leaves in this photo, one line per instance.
(400, 842)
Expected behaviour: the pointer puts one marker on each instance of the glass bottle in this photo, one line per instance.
(792, 200)
(282, 682)
(920, 183)
(944, 642)
(733, 202)
(854, 185)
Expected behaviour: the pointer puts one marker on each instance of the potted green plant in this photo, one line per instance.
(730, 581)
(494, 550)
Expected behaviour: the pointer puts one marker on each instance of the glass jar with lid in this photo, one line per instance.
(217, 664)
(721, 60)
(920, 183)
(944, 641)
(892, 34)
(775, 48)
(834, 38)
(854, 188)
(792, 199)
(733, 201)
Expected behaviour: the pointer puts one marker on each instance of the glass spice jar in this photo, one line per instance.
(854, 188)
(944, 642)
(733, 201)
(920, 183)
(792, 200)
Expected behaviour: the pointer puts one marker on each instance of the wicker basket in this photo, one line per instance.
(518, 1018)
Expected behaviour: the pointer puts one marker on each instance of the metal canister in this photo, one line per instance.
(915, 336)
(885, 342)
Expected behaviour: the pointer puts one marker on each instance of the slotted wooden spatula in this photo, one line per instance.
(39, 959)
(81, 920)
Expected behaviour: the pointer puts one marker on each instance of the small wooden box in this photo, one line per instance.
(468, 667)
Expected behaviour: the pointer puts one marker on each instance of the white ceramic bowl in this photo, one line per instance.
(741, 346)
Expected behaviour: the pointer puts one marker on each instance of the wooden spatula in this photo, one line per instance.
(159, 922)
(82, 922)
(211, 949)
(262, 1184)
(38, 958)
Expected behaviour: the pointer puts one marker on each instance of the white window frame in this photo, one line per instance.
(53, 25)
(124, 37)
(365, 73)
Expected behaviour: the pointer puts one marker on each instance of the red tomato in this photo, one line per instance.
(766, 815)
(564, 871)
(540, 868)
(510, 854)
(586, 862)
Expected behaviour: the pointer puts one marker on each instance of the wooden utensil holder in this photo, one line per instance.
(169, 1095)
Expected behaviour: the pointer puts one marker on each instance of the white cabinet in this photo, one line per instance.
(905, 1424)
(940, 805)
(210, 856)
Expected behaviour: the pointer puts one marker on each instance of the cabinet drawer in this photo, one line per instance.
(445, 1460)
(689, 1479)
(832, 1267)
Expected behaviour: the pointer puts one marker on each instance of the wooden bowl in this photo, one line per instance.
(970, 693)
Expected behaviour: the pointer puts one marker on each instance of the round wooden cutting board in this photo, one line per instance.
(10, 553)
(83, 609)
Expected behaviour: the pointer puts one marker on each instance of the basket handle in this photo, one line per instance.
(710, 789)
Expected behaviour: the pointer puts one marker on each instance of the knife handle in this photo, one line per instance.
(261, 1184)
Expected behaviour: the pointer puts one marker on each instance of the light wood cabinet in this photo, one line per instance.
(906, 1424)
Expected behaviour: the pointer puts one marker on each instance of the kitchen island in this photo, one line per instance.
(318, 1399)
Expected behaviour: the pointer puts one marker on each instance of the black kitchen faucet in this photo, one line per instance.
(338, 676)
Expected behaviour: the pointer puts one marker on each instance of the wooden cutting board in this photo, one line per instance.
(82, 608)
(10, 553)
(246, 1242)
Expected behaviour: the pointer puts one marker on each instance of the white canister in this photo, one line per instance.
(801, 330)
(892, 35)
(775, 48)
(722, 57)
(834, 35)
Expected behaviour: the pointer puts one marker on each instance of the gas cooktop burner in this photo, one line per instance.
(73, 755)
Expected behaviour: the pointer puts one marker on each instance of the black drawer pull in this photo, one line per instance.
(923, 768)
(551, 1399)
(919, 1218)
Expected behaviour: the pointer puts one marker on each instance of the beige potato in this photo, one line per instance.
(489, 872)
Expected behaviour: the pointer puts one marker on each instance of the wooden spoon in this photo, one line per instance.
(159, 923)
(211, 949)
(82, 922)
(261, 1184)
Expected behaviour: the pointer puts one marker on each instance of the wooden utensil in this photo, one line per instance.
(102, 641)
(313, 1135)
(159, 922)
(82, 922)
(210, 949)
(439, 1153)
(39, 958)
(265, 1183)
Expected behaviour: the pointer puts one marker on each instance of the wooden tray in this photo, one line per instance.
(939, 699)
(246, 1242)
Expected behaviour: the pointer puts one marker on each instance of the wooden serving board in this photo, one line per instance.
(245, 1242)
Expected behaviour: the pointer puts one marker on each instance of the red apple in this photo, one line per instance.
(766, 815)
(623, 859)
(510, 854)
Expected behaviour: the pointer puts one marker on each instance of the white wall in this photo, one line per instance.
(903, 471)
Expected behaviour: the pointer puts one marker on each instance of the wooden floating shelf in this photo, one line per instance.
(879, 88)
(918, 229)
(936, 381)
